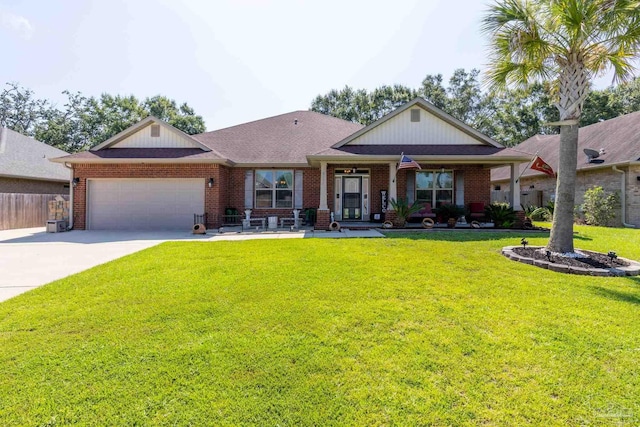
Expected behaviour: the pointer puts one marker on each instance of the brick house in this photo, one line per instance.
(153, 176)
(616, 167)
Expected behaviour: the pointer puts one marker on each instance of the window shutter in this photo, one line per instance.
(459, 188)
(297, 195)
(411, 186)
(248, 189)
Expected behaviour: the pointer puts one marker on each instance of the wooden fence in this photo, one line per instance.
(18, 210)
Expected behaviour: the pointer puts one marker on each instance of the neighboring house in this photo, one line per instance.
(25, 166)
(153, 176)
(617, 167)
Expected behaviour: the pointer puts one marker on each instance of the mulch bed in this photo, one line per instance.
(591, 259)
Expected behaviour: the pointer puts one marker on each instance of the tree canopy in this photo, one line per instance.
(566, 44)
(83, 122)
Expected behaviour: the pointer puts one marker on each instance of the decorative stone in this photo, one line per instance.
(632, 269)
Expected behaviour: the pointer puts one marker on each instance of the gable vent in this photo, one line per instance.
(415, 115)
(155, 131)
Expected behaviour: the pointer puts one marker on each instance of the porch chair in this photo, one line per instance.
(477, 212)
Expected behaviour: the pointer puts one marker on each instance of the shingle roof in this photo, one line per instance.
(279, 139)
(25, 157)
(620, 138)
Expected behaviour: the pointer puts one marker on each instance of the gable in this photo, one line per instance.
(151, 133)
(418, 122)
(166, 138)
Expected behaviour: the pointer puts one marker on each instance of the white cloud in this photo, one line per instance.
(16, 23)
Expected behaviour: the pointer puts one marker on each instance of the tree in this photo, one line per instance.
(20, 110)
(567, 42)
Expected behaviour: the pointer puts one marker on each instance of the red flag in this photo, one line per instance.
(542, 166)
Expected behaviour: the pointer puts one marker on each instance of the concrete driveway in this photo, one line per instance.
(31, 257)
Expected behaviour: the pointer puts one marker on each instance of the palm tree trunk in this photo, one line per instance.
(561, 239)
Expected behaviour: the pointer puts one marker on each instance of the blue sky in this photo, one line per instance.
(235, 61)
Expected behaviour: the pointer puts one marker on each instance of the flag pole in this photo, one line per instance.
(396, 174)
(527, 167)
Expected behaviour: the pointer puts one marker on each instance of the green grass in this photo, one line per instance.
(433, 329)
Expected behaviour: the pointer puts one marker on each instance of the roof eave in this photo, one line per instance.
(138, 160)
(315, 159)
(582, 170)
(35, 178)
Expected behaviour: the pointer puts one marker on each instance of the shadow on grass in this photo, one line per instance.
(466, 236)
(617, 295)
(472, 235)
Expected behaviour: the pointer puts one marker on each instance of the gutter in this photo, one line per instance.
(623, 196)
(71, 191)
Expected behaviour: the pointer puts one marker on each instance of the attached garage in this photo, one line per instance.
(144, 204)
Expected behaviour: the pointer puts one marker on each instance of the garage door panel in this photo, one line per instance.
(144, 204)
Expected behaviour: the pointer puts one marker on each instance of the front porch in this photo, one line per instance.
(357, 195)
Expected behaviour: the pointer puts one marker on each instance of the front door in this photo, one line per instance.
(351, 198)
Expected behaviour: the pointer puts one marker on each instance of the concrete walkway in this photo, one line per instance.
(30, 257)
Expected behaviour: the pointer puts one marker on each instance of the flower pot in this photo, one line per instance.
(451, 223)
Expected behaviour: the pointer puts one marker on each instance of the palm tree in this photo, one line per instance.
(567, 42)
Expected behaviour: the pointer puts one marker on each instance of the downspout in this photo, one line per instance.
(623, 197)
(71, 191)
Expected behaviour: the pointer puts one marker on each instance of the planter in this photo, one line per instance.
(451, 223)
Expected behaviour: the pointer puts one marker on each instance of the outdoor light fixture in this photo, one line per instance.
(612, 255)
(524, 242)
(548, 254)
(210, 182)
(532, 186)
(76, 181)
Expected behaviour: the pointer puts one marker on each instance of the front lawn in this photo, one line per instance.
(428, 329)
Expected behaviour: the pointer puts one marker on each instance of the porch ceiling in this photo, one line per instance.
(421, 153)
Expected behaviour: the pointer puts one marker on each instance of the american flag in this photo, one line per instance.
(407, 163)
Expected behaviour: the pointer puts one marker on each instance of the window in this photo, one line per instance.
(274, 189)
(435, 187)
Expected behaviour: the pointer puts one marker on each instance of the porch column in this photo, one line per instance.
(393, 188)
(323, 186)
(514, 197)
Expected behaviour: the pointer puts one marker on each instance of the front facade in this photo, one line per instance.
(152, 176)
(616, 142)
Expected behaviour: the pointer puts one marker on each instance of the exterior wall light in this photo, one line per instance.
(210, 182)
(75, 181)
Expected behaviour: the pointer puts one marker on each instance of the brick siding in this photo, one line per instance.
(212, 196)
(32, 186)
(228, 190)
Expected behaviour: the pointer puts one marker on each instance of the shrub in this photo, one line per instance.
(544, 213)
(403, 210)
(599, 208)
(502, 214)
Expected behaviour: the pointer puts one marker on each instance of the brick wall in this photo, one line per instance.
(32, 186)
(234, 197)
(212, 199)
(228, 190)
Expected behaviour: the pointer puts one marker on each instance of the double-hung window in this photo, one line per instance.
(274, 189)
(434, 187)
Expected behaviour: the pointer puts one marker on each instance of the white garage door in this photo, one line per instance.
(144, 204)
